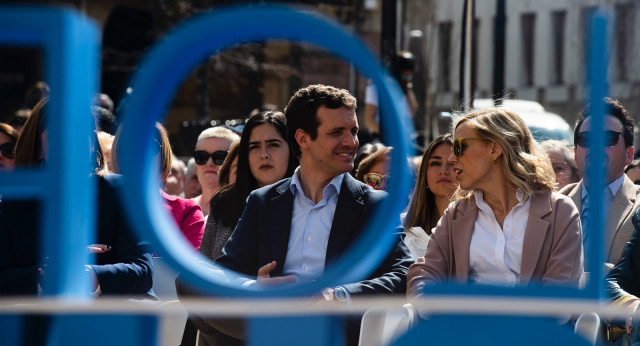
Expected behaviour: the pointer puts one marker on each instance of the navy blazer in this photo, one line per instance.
(262, 235)
(622, 284)
(124, 270)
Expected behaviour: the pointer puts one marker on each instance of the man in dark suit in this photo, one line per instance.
(292, 230)
(622, 285)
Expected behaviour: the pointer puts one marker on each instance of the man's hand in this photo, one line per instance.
(265, 279)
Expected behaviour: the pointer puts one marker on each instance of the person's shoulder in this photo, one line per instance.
(569, 188)
(628, 185)
(559, 197)
(269, 191)
(559, 202)
(463, 204)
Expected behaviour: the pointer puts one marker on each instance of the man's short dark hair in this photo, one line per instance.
(301, 112)
(615, 109)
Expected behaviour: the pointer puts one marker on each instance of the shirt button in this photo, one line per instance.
(306, 268)
(309, 239)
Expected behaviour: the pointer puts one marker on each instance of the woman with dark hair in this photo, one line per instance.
(8, 138)
(123, 264)
(431, 196)
(264, 157)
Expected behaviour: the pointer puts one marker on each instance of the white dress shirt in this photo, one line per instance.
(495, 254)
(310, 229)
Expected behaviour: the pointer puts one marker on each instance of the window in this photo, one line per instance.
(474, 54)
(444, 54)
(587, 18)
(558, 20)
(622, 41)
(528, 26)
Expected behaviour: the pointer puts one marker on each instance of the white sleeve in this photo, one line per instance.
(371, 95)
(417, 240)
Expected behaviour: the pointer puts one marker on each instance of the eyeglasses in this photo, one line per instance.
(7, 150)
(201, 157)
(561, 168)
(375, 180)
(458, 148)
(610, 138)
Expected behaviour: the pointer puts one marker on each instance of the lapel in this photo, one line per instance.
(347, 215)
(576, 195)
(461, 231)
(621, 207)
(535, 234)
(280, 210)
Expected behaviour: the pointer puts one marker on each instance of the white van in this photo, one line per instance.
(543, 125)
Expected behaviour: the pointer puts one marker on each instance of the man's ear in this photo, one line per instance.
(302, 138)
(629, 155)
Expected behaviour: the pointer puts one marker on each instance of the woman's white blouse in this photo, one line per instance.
(495, 254)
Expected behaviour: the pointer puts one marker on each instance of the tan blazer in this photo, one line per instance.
(551, 251)
(618, 224)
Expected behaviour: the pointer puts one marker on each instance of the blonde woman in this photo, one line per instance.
(507, 226)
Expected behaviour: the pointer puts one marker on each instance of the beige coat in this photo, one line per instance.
(551, 254)
(618, 224)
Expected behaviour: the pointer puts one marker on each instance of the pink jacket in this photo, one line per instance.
(551, 254)
(188, 216)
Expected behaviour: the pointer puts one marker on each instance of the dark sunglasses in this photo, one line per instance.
(610, 138)
(201, 157)
(7, 150)
(458, 148)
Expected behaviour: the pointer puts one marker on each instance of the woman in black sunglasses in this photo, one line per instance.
(507, 227)
(211, 150)
(8, 138)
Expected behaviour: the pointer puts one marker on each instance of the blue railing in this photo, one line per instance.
(70, 45)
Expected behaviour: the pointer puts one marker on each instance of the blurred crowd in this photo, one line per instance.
(280, 200)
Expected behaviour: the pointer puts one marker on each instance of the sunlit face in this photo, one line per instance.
(192, 186)
(174, 184)
(440, 177)
(268, 155)
(473, 169)
(332, 152)
(562, 169)
(208, 173)
(616, 156)
(381, 167)
(6, 163)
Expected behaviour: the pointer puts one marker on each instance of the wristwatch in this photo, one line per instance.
(340, 295)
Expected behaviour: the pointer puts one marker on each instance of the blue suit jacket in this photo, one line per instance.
(262, 235)
(124, 270)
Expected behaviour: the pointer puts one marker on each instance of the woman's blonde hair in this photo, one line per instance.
(524, 163)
